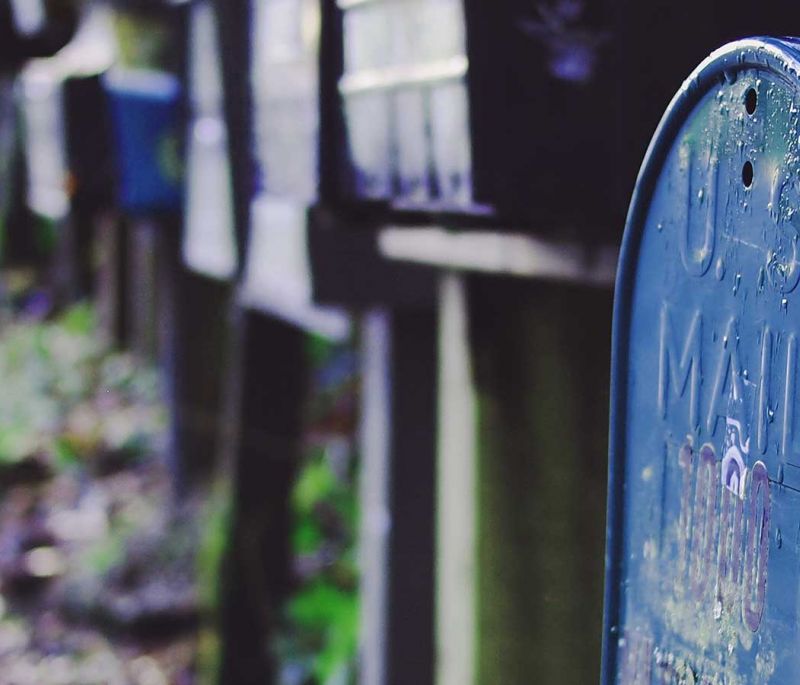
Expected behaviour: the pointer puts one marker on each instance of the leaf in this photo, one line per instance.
(65, 456)
(315, 482)
(16, 443)
(79, 319)
(306, 537)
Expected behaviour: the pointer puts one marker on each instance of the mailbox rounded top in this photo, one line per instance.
(781, 56)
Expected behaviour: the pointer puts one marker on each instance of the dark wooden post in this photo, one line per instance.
(542, 361)
(412, 493)
(398, 429)
(257, 576)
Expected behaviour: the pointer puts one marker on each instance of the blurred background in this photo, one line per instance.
(305, 313)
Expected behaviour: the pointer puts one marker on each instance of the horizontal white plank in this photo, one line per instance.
(501, 253)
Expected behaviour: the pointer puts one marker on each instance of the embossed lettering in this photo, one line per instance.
(757, 549)
(685, 521)
(702, 202)
(784, 274)
(711, 550)
(705, 509)
(763, 390)
(729, 561)
(728, 380)
(788, 394)
(680, 371)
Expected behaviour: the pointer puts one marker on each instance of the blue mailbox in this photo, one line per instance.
(145, 114)
(703, 556)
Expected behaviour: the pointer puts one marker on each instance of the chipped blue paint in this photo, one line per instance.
(703, 555)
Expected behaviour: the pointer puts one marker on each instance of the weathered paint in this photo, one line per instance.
(703, 558)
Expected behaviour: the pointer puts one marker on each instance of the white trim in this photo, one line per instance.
(456, 500)
(501, 253)
(374, 495)
(404, 76)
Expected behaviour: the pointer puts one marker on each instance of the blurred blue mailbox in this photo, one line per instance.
(144, 109)
(703, 558)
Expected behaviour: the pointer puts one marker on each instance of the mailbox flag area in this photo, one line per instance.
(703, 557)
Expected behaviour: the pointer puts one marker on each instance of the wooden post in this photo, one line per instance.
(541, 354)
(398, 496)
(376, 353)
(410, 634)
(456, 634)
(141, 291)
(109, 278)
(258, 566)
(196, 351)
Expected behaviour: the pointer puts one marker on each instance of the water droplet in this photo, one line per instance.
(778, 538)
(700, 194)
(720, 269)
(780, 473)
(660, 226)
(784, 303)
(736, 281)
(761, 276)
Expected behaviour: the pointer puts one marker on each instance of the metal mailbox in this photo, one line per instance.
(144, 109)
(703, 556)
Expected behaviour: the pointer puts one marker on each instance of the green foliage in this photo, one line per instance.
(46, 234)
(66, 397)
(215, 532)
(214, 536)
(332, 612)
(319, 350)
(144, 42)
(307, 537)
(105, 554)
(320, 639)
(79, 320)
(315, 483)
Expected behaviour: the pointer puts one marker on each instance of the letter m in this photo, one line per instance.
(677, 371)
